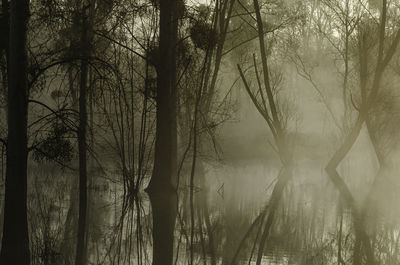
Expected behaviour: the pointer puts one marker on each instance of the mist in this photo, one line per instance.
(226, 132)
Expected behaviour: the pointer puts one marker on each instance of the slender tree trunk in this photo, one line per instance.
(15, 242)
(203, 200)
(368, 204)
(267, 85)
(162, 186)
(276, 196)
(227, 9)
(276, 127)
(68, 240)
(342, 187)
(80, 258)
(339, 253)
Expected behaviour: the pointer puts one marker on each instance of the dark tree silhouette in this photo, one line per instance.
(15, 242)
(162, 186)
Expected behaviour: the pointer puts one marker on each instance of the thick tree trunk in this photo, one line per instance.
(4, 28)
(15, 242)
(162, 187)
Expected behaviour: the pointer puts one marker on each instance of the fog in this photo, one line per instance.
(226, 132)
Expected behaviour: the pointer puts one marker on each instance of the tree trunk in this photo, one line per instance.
(339, 252)
(15, 242)
(4, 42)
(4, 29)
(68, 240)
(162, 186)
(80, 258)
(277, 130)
(203, 201)
(273, 204)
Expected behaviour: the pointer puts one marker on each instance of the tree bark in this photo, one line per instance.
(15, 241)
(162, 186)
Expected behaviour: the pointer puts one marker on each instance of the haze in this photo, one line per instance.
(218, 132)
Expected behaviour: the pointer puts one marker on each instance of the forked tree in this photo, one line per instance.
(267, 104)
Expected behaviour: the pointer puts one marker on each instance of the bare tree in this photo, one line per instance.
(368, 100)
(267, 105)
